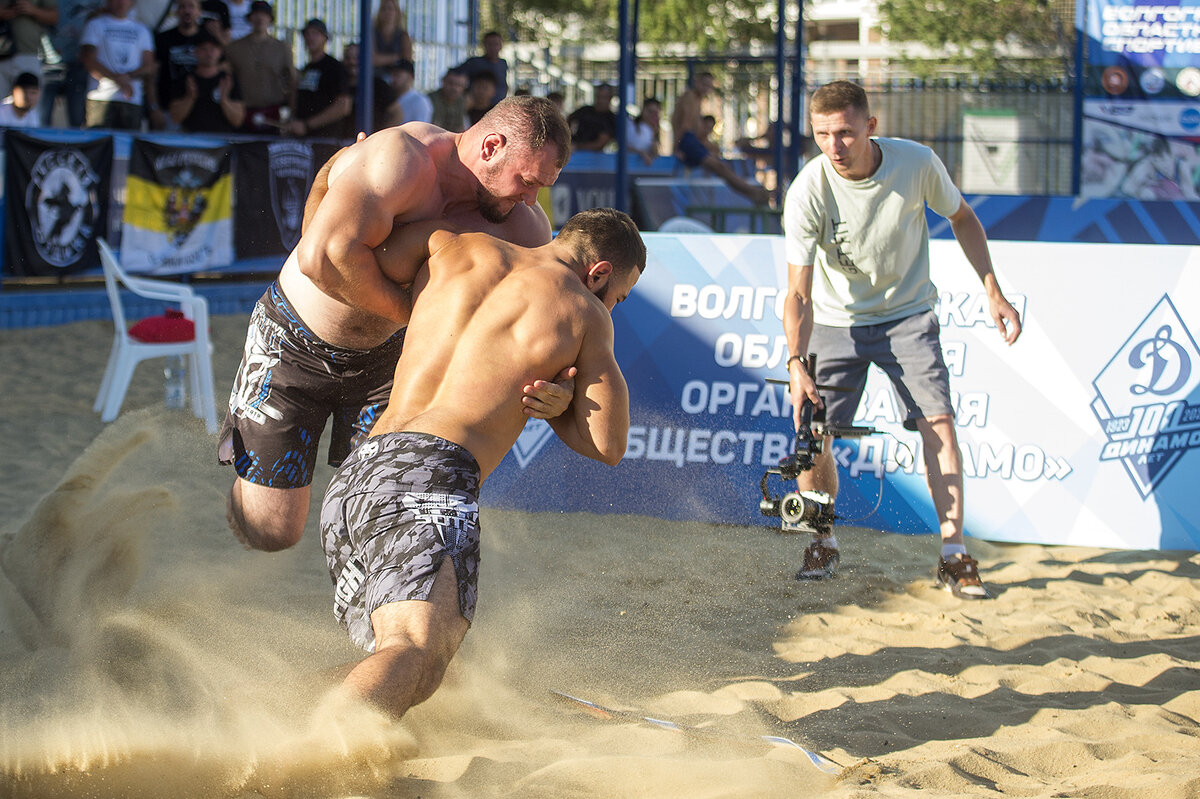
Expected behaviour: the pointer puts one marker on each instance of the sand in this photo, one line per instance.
(143, 653)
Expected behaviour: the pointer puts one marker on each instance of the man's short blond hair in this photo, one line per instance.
(533, 123)
(840, 95)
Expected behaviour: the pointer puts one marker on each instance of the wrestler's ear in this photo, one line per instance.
(598, 275)
(491, 146)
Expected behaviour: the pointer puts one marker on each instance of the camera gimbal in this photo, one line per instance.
(805, 511)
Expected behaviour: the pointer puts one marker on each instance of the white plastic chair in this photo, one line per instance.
(683, 224)
(128, 351)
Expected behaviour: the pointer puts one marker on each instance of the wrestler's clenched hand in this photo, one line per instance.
(545, 400)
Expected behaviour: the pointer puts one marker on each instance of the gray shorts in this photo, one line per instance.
(398, 506)
(908, 350)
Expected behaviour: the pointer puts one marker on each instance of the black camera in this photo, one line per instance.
(800, 511)
(805, 511)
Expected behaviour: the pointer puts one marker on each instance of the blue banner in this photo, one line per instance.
(1078, 434)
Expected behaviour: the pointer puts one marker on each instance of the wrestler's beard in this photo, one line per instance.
(489, 204)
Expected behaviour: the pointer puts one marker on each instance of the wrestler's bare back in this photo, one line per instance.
(487, 319)
(399, 175)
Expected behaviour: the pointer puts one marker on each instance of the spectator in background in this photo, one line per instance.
(490, 62)
(27, 21)
(174, 57)
(214, 18)
(263, 68)
(239, 20)
(594, 126)
(449, 103)
(642, 132)
(64, 74)
(687, 123)
(209, 100)
(559, 100)
(708, 126)
(323, 96)
(19, 110)
(386, 112)
(392, 42)
(119, 53)
(415, 106)
(480, 95)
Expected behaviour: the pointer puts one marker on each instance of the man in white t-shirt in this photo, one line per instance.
(19, 110)
(859, 293)
(416, 106)
(118, 53)
(239, 18)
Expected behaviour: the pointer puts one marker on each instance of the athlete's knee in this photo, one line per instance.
(267, 526)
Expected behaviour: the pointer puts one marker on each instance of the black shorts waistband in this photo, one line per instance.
(283, 313)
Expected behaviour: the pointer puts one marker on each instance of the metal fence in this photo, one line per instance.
(439, 30)
(995, 138)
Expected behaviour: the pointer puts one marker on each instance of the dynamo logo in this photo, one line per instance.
(531, 441)
(1189, 119)
(1148, 398)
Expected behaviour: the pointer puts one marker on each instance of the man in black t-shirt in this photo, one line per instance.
(207, 97)
(594, 126)
(323, 96)
(175, 56)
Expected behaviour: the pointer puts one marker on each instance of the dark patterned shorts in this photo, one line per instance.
(289, 383)
(400, 504)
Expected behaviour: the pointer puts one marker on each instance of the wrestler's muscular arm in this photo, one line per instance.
(409, 246)
(371, 184)
(319, 187)
(597, 423)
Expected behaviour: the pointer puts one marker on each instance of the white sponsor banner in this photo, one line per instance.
(1098, 401)
(1164, 118)
(1086, 431)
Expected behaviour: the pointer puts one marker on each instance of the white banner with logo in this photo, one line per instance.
(1086, 431)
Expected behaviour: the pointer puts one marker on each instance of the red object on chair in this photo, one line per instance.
(171, 326)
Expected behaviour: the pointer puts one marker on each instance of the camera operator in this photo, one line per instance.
(859, 292)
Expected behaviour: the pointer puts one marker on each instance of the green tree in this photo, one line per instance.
(706, 25)
(986, 38)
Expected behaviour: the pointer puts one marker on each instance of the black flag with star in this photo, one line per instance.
(56, 198)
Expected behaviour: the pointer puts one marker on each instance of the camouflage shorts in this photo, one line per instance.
(400, 504)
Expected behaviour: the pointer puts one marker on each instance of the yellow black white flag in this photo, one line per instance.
(178, 209)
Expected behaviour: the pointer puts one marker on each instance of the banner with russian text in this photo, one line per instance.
(1086, 431)
(1141, 115)
(56, 203)
(272, 179)
(178, 211)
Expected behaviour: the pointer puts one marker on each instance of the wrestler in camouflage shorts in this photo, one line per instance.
(399, 504)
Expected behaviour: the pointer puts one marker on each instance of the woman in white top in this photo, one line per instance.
(642, 133)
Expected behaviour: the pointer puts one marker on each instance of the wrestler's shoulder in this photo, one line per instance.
(527, 226)
(420, 135)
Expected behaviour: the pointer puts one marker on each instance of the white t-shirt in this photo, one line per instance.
(9, 118)
(867, 239)
(638, 135)
(119, 45)
(416, 106)
(239, 26)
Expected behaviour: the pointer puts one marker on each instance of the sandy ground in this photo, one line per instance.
(143, 653)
